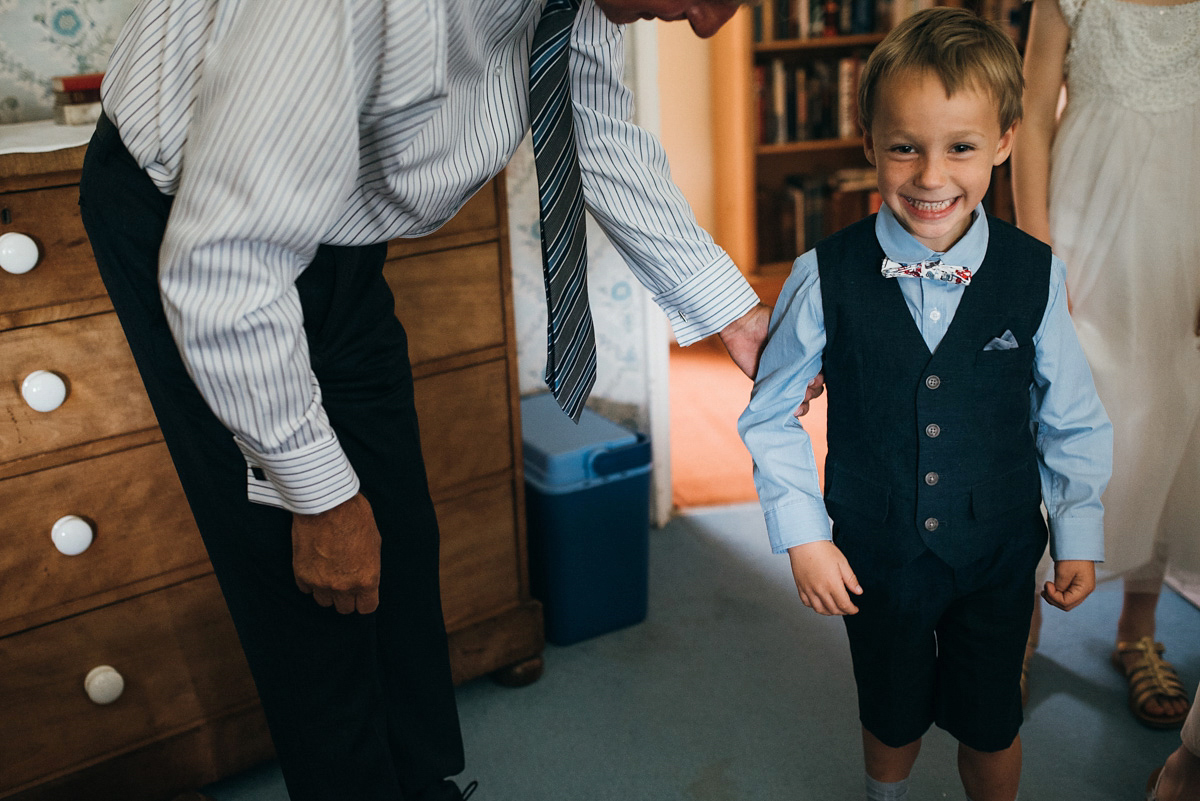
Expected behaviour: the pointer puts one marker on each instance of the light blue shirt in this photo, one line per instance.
(1071, 429)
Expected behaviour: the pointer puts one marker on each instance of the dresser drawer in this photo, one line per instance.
(480, 558)
(450, 301)
(176, 650)
(466, 424)
(140, 523)
(65, 272)
(104, 393)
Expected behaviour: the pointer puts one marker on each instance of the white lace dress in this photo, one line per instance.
(1125, 217)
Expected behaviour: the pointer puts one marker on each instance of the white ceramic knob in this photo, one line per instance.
(103, 684)
(43, 391)
(71, 535)
(18, 253)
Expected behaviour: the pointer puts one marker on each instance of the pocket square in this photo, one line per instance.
(1004, 342)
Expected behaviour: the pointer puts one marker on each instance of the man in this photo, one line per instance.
(254, 157)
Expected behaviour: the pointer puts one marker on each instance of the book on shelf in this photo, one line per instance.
(811, 100)
(77, 113)
(803, 14)
(899, 10)
(849, 70)
(779, 103)
(807, 208)
(75, 83)
(775, 20)
(76, 96)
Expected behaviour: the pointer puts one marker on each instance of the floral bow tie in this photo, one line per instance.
(927, 269)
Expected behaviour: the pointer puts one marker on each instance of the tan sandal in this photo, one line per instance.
(1151, 676)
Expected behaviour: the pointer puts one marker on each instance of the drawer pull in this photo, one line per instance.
(18, 253)
(43, 391)
(103, 684)
(72, 535)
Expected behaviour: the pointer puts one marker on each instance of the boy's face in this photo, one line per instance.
(934, 154)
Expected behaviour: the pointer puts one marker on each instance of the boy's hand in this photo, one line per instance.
(1074, 580)
(823, 576)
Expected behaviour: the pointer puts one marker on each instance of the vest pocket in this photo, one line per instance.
(1016, 489)
(858, 495)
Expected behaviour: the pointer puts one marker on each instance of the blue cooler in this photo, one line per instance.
(587, 502)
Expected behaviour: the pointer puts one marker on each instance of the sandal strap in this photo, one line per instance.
(1151, 676)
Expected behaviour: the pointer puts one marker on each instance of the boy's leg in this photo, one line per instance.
(982, 640)
(885, 763)
(990, 775)
(894, 653)
(893, 647)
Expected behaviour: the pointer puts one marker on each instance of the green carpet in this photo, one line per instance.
(733, 691)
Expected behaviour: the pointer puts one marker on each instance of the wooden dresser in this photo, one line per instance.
(141, 599)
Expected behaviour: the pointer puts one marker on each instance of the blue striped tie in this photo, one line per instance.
(570, 341)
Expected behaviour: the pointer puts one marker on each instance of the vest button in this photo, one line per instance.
(931, 478)
(931, 524)
(932, 430)
(933, 382)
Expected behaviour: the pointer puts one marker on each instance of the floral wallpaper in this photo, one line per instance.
(617, 299)
(43, 38)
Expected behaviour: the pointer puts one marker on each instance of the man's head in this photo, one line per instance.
(939, 99)
(705, 16)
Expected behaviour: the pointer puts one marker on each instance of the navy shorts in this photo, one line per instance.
(935, 644)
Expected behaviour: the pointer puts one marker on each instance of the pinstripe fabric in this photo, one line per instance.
(570, 340)
(280, 125)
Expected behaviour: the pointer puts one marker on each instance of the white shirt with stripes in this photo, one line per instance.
(280, 125)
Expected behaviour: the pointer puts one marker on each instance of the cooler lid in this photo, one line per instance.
(559, 452)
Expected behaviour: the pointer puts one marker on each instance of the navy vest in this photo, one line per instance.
(930, 450)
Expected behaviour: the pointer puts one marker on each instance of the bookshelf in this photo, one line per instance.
(785, 127)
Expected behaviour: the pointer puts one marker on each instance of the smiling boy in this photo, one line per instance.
(959, 401)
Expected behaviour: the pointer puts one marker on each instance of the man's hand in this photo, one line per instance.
(745, 337)
(823, 576)
(335, 555)
(1074, 580)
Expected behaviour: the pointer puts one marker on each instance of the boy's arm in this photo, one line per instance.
(1075, 440)
(823, 577)
(785, 471)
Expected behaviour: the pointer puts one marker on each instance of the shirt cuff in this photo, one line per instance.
(1077, 538)
(312, 479)
(708, 301)
(797, 524)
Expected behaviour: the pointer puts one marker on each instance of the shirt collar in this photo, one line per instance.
(899, 245)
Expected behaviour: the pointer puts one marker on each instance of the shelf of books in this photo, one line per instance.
(790, 166)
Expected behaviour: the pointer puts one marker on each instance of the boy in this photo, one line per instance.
(959, 400)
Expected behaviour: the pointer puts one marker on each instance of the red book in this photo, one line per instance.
(77, 83)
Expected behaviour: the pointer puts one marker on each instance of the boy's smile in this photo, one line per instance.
(934, 154)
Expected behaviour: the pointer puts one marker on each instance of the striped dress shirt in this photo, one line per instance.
(280, 125)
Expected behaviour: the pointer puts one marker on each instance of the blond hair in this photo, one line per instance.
(960, 47)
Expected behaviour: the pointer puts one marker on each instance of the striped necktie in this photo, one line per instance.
(570, 341)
